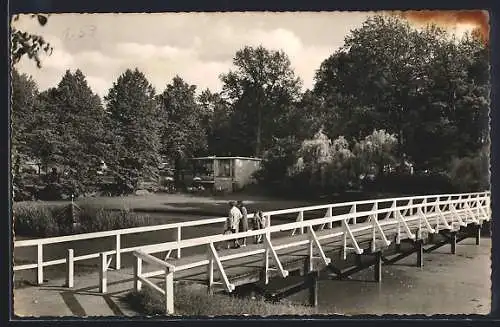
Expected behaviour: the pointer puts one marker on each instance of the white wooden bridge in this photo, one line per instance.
(313, 238)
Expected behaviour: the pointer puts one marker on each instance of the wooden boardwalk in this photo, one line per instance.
(246, 265)
(348, 238)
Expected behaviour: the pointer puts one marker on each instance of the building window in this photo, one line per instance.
(224, 168)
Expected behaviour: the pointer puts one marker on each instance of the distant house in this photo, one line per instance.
(225, 173)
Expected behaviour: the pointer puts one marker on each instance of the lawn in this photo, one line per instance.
(216, 206)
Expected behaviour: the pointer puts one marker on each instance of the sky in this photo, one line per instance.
(196, 46)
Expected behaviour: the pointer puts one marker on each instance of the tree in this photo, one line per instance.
(24, 97)
(277, 160)
(184, 122)
(24, 43)
(218, 113)
(133, 113)
(375, 150)
(424, 86)
(70, 129)
(260, 90)
(323, 164)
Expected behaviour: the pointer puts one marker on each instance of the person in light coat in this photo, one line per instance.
(232, 223)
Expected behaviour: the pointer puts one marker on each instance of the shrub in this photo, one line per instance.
(41, 220)
(99, 219)
(193, 300)
(35, 220)
(470, 174)
(277, 160)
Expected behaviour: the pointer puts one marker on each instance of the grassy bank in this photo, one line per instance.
(193, 300)
(40, 220)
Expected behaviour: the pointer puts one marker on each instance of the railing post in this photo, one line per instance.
(178, 239)
(118, 252)
(268, 225)
(39, 261)
(353, 210)
(329, 214)
(103, 262)
(344, 239)
(169, 291)
(210, 272)
(301, 219)
(137, 274)
(374, 235)
(266, 265)
(311, 253)
(478, 204)
(70, 269)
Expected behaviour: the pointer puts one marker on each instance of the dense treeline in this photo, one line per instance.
(391, 97)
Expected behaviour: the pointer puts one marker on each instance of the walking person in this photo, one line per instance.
(232, 223)
(258, 223)
(243, 222)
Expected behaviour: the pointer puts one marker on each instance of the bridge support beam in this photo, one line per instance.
(453, 242)
(453, 237)
(377, 268)
(420, 253)
(360, 265)
(450, 237)
(416, 247)
(312, 280)
(477, 233)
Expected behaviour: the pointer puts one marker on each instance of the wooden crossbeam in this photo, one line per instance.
(483, 211)
(229, 287)
(300, 218)
(456, 214)
(443, 218)
(348, 232)
(377, 228)
(423, 217)
(472, 215)
(270, 250)
(407, 229)
(313, 240)
(328, 214)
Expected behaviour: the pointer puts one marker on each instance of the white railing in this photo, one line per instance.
(455, 211)
(107, 256)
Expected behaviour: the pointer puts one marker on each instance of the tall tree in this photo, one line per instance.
(260, 89)
(218, 123)
(416, 84)
(24, 96)
(70, 130)
(184, 122)
(134, 119)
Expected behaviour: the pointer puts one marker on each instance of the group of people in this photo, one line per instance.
(238, 221)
